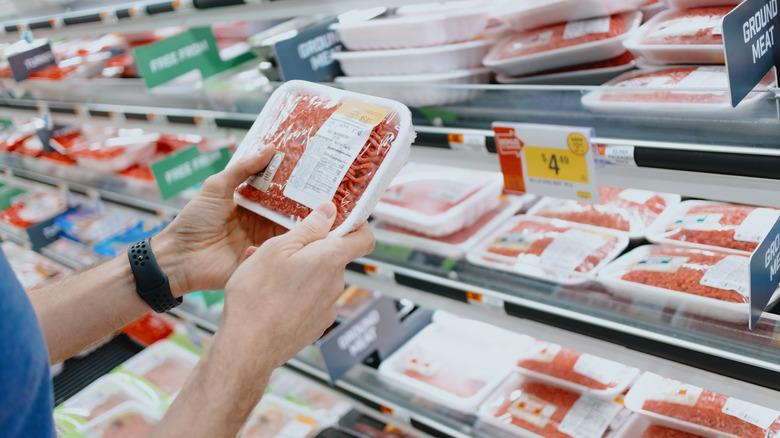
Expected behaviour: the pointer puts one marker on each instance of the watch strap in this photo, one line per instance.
(151, 283)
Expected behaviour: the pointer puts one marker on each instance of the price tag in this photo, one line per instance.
(467, 142)
(764, 273)
(547, 160)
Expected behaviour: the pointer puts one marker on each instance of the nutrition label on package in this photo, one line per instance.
(602, 370)
(731, 273)
(570, 249)
(576, 29)
(331, 152)
(753, 414)
(589, 417)
(756, 225)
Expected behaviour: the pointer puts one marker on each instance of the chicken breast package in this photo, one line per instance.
(330, 145)
(107, 393)
(715, 225)
(699, 411)
(531, 409)
(629, 210)
(129, 419)
(164, 364)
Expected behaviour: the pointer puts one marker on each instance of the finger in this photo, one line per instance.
(315, 227)
(355, 244)
(227, 180)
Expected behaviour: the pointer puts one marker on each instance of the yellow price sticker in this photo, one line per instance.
(556, 164)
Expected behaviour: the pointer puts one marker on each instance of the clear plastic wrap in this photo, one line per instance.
(291, 121)
(529, 14)
(31, 268)
(164, 364)
(629, 210)
(129, 419)
(715, 225)
(589, 73)
(34, 207)
(106, 393)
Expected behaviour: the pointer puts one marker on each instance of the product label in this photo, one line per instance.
(621, 155)
(684, 26)
(756, 225)
(467, 142)
(540, 351)
(262, 180)
(753, 414)
(702, 222)
(300, 428)
(589, 417)
(570, 249)
(514, 242)
(533, 410)
(601, 370)
(677, 393)
(331, 152)
(636, 196)
(533, 41)
(660, 264)
(703, 78)
(580, 28)
(731, 273)
(455, 191)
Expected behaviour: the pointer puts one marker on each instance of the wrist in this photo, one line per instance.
(170, 260)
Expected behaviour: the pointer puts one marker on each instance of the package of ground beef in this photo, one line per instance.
(331, 145)
(629, 210)
(164, 364)
(549, 249)
(699, 411)
(530, 14)
(574, 370)
(689, 36)
(714, 225)
(562, 45)
(526, 407)
(589, 73)
(639, 426)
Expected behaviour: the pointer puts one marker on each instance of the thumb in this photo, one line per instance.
(230, 178)
(316, 226)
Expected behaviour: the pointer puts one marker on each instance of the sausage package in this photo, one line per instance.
(531, 409)
(330, 145)
(562, 45)
(699, 411)
(714, 284)
(164, 364)
(454, 361)
(530, 14)
(575, 371)
(689, 36)
(714, 225)
(549, 249)
(629, 210)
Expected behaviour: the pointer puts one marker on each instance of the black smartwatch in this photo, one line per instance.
(151, 283)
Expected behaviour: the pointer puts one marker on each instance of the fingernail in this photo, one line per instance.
(326, 209)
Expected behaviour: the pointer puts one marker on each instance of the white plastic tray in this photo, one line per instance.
(396, 156)
(457, 244)
(659, 232)
(158, 353)
(93, 428)
(422, 30)
(420, 90)
(638, 227)
(559, 57)
(576, 76)
(637, 425)
(650, 385)
(98, 392)
(530, 14)
(687, 4)
(672, 53)
(136, 149)
(424, 60)
(533, 267)
(714, 308)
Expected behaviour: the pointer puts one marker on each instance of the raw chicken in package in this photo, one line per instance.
(330, 145)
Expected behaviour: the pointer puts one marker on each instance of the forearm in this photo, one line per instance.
(80, 310)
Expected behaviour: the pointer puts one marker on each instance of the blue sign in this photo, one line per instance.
(764, 273)
(749, 33)
(308, 55)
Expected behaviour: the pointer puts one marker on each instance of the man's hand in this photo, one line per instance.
(207, 241)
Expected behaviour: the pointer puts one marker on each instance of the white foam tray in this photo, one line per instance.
(524, 15)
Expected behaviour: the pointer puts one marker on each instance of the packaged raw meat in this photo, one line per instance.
(562, 45)
(421, 90)
(34, 207)
(454, 361)
(77, 254)
(699, 411)
(714, 225)
(366, 425)
(576, 371)
(129, 147)
(418, 30)
(129, 419)
(87, 225)
(352, 300)
(690, 36)
(629, 210)
(31, 268)
(106, 393)
(693, 90)
(437, 59)
(330, 145)
(590, 73)
(164, 364)
(709, 283)
(319, 399)
(530, 408)
(549, 249)
(119, 243)
(454, 245)
(639, 426)
(687, 4)
(276, 417)
(437, 201)
(530, 14)
(149, 329)
(653, 7)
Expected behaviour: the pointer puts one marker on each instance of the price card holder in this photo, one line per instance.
(308, 55)
(45, 232)
(764, 273)
(377, 329)
(187, 168)
(547, 160)
(28, 62)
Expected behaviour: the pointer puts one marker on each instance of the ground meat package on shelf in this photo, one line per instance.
(699, 411)
(330, 145)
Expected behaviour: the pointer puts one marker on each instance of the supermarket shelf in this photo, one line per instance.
(724, 356)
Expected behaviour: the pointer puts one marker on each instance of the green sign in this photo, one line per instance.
(395, 252)
(184, 169)
(8, 193)
(195, 49)
(212, 297)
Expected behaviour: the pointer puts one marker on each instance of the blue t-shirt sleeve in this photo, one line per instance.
(26, 399)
